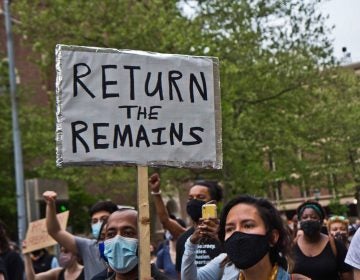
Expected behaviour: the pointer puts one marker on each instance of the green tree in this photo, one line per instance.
(270, 53)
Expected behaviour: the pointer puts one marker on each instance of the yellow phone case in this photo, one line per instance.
(209, 211)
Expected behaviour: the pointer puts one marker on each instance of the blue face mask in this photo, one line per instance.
(121, 253)
(95, 228)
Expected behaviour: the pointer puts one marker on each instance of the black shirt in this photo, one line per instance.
(14, 265)
(2, 268)
(205, 252)
(323, 266)
(43, 263)
(80, 277)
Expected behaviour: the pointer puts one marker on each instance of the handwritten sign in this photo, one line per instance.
(37, 236)
(135, 107)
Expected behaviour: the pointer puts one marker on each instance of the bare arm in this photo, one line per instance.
(347, 275)
(171, 225)
(51, 274)
(29, 270)
(64, 238)
(295, 276)
(356, 274)
(2, 267)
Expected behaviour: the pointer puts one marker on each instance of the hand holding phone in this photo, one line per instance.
(209, 225)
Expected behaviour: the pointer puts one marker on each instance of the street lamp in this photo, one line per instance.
(19, 172)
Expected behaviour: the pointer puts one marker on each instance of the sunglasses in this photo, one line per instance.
(337, 218)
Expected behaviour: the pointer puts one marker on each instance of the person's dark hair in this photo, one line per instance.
(181, 222)
(103, 206)
(39, 252)
(4, 239)
(313, 204)
(216, 192)
(279, 253)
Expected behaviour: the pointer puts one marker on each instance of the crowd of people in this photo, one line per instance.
(249, 240)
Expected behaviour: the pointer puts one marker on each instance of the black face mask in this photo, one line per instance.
(245, 250)
(341, 237)
(194, 209)
(311, 227)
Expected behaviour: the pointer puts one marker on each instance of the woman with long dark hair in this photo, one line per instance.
(255, 240)
(13, 263)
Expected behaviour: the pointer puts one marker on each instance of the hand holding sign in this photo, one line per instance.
(23, 246)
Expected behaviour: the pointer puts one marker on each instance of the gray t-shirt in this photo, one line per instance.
(89, 253)
(353, 254)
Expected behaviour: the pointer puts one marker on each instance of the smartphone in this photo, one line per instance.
(209, 211)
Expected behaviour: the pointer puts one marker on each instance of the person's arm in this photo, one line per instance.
(296, 276)
(356, 274)
(29, 270)
(207, 228)
(2, 270)
(51, 274)
(211, 271)
(347, 275)
(353, 255)
(346, 270)
(171, 225)
(64, 238)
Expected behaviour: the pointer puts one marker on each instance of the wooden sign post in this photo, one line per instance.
(137, 108)
(143, 222)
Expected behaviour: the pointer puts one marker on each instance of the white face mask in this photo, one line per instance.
(121, 253)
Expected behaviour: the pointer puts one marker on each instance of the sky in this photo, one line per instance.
(345, 15)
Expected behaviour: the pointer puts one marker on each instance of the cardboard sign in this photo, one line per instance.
(37, 236)
(137, 108)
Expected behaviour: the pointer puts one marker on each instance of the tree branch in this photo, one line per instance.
(286, 90)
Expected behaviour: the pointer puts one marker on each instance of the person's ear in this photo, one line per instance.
(274, 237)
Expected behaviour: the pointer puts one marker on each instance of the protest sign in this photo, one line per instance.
(135, 107)
(37, 236)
